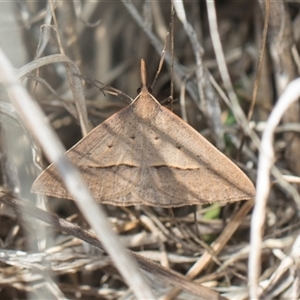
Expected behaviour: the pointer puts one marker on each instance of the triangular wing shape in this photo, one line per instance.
(186, 169)
(145, 154)
(108, 162)
(156, 160)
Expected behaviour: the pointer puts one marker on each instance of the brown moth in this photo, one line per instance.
(146, 155)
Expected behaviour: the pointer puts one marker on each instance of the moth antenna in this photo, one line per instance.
(143, 74)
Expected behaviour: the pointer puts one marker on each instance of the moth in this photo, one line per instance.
(146, 155)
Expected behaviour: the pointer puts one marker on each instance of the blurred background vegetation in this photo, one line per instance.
(107, 40)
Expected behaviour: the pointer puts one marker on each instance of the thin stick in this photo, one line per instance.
(265, 163)
(172, 51)
(161, 61)
(260, 61)
(75, 84)
(259, 68)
